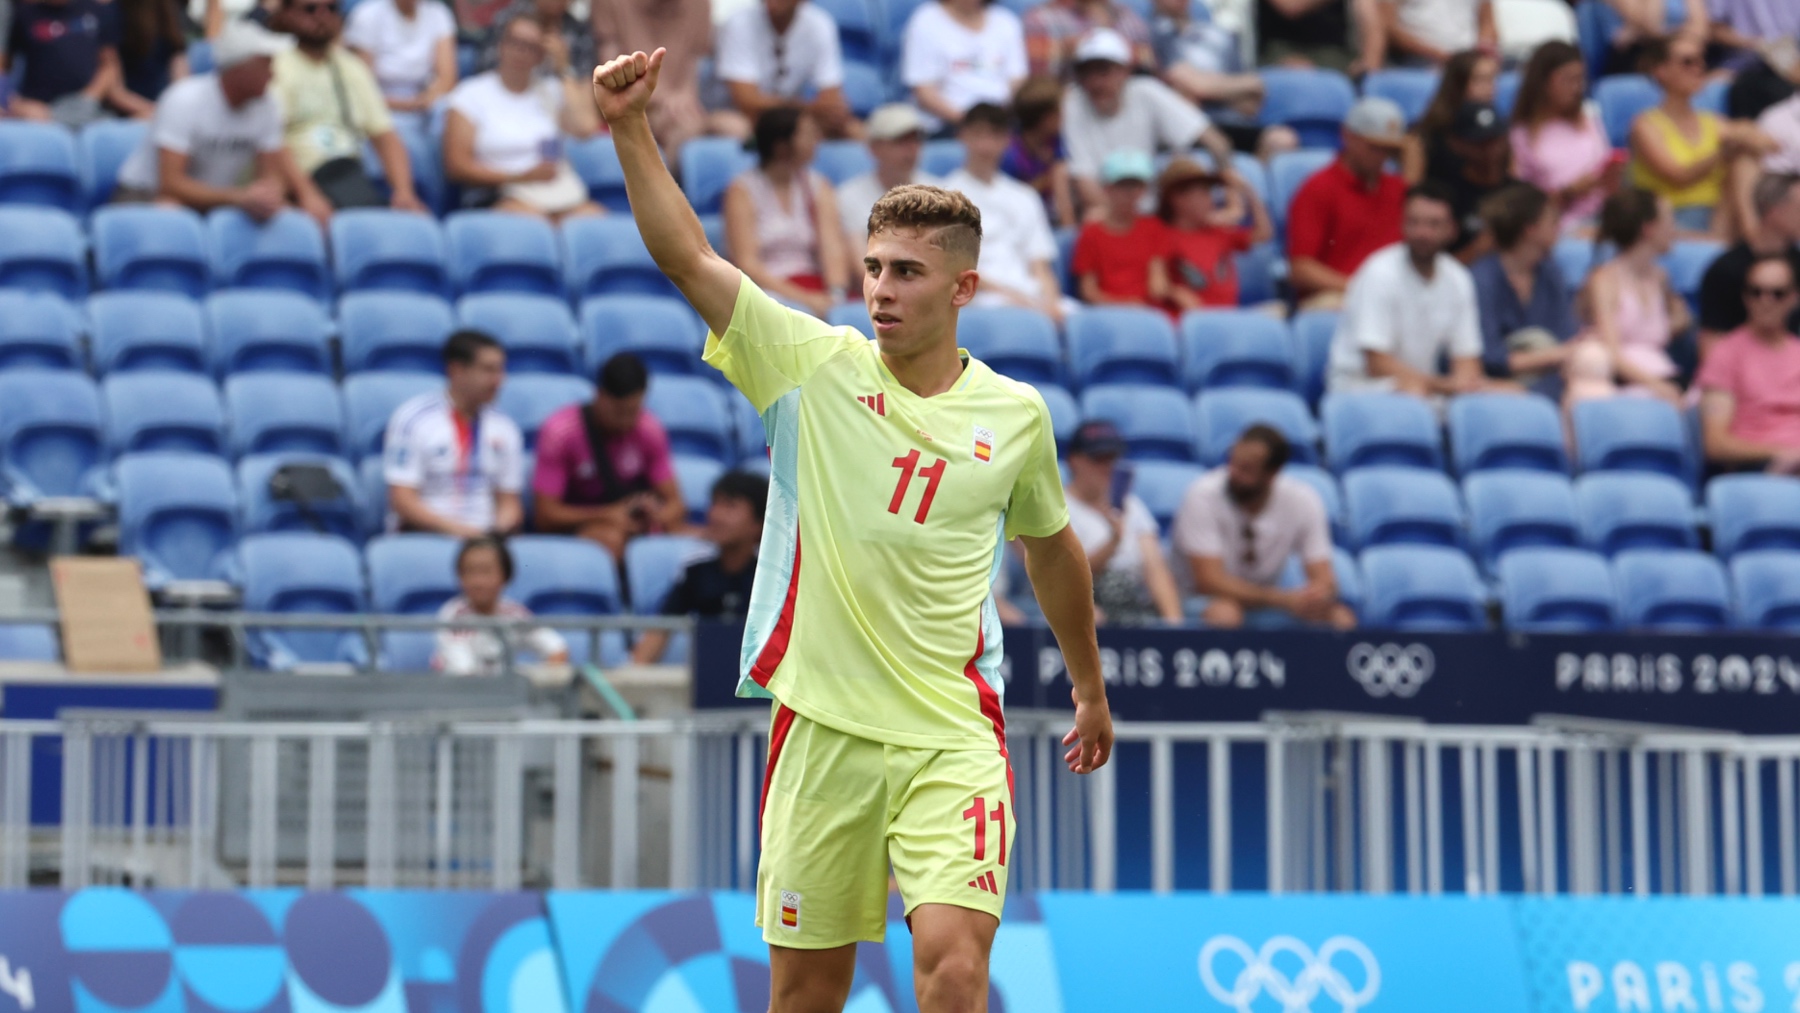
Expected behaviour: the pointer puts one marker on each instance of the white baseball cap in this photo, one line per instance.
(894, 121)
(243, 40)
(1103, 44)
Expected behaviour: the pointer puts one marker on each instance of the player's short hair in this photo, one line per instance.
(951, 218)
(462, 347)
(623, 375)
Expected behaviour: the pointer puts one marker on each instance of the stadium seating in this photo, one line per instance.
(1671, 590)
(1512, 510)
(941, 157)
(371, 478)
(162, 411)
(1750, 512)
(1331, 495)
(1161, 485)
(102, 149)
(1313, 331)
(1012, 340)
(1421, 588)
(308, 574)
(1621, 511)
(267, 332)
(1506, 91)
(37, 331)
(1621, 97)
(1287, 172)
(665, 333)
(696, 416)
(532, 398)
(855, 314)
(1632, 434)
(1410, 88)
(374, 248)
(1506, 431)
(1221, 416)
(146, 330)
(492, 251)
(653, 564)
(752, 442)
(1257, 269)
(1236, 348)
(696, 475)
(50, 434)
(1556, 590)
(607, 256)
(1686, 263)
(281, 412)
(263, 511)
(708, 165)
(1350, 586)
(1156, 422)
(38, 166)
(29, 642)
(838, 161)
(1367, 429)
(1313, 102)
(178, 514)
(1402, 506)
(287, 252)
(596, 161)
(1574, 258)
(537, 331)
(1766, 587)
(864, 88)
(410, 575)
(559, 576)
(44, 251)
(394, 331)
(1065, 414)
(164, 249)
(370, 399)
(1122, 344)
(862, 28)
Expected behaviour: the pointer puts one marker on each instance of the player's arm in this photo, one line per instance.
(1059, 574)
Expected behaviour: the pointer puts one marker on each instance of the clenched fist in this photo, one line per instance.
(623, 84)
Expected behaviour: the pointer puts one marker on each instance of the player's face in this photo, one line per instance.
(482, 579)
(913, 290)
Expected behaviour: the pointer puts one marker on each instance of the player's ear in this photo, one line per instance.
(968, 282)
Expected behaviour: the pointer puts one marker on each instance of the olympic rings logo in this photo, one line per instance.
(1391, 670)
(1317, 974)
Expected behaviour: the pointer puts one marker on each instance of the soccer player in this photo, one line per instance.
(899, 465)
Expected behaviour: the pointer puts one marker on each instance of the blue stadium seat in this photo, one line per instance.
(607, 256)
(303, 573)
(1750, 512)
(538, 331)
(1511, 510)
(1402, 506)
(596, 161)
(1313, 102)
(1331, 495)
(137, 246)
(861, 25)
(262, 511)
(1421, 588)
(1351, 588)
(38, 331)
(200, 57)
(422, 153)
(178, 514)
(371, 478)
(665, 333)
(285, 252)
(410, 575)
(130, 331)
(1156, 422)
(855, 314)
(653, 565)
(941, 157)
(1556, 590)
(1506, 431)
(1622, 97)
(841, 160)
(163, 411)
(44, 252)
(1123, 344)
(1256, 270)
(29, 642)
(1766, 586)
(561, 576)
(101, 149)
(696, 476)
(1288, 171)
(1313, 331)
(394, 331)
(492, 251)
(370, 399)
(1686, 262)
(530, 399)
(1410, 88)
(863, 88)
(1574, 258)
(50, 434)
(375, 248)
(279, 412)
(752, 442)
(1633, 434)
(708, 165)
(1506, 92)
(1013, 341)
(1363, 429)
(1622, 510)
(1221, 416)
(37, 165)
(1065, 259)
(696, 415)
(256, 331)
(1236, 348)
(1671, 590)
(1065, 414)
(1161, 485)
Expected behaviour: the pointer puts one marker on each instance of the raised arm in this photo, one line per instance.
(622, 90)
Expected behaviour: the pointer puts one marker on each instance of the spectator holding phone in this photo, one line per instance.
(1132, 582)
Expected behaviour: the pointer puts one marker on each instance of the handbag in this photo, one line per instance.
(561, 193)
(342, 180)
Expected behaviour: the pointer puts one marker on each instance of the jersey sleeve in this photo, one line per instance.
(770, 349)
(1037, 508)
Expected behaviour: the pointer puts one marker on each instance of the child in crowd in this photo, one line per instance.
(1036, 156)
(1121, 258)
(1204, 237)
(484, 567)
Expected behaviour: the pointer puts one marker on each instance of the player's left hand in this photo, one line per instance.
(1091, 740)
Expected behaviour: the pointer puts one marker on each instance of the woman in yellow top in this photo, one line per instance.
(1702, 163)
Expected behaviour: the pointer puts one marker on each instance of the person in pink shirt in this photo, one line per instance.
(610, 497)
(1750, 381)
(1558, 143)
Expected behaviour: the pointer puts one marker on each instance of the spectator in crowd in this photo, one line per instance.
(454, 464)
(1113, 110)
(1201, 59)
(477, 15)
(411, 47)
(333, 106)
(1426, 32)
(503, 134)
(484, 566)
(1781, 121)
(1559, 144)
(1132, 583)
(960, 52)
(216, 140)
(1349, 209)
(1204, 237)
(1750, 381)
(676, 112)
(781, 218)
(615, 496)
(896, 139)
(1017, 248)
(1469, 76)
(1744, 28)
(1409, 307)
(1341, 35)
(1635, 311)
(1036, 155)
(717, 584)
(1527, 316)
(774, 53)
(1776, 200)
(152, 54)
(1121, 257)
(568, 43)
(1054, 28)
(1641, 22)
(71, 54)
(1238, 525)
(1477, 143)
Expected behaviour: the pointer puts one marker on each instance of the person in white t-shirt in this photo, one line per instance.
(484, 567)
(785, 53)
(1018, 251)
(896, 139)
(1428, 32)
(411, 47)
(960, 52)
(1132, 583)
(454, 464)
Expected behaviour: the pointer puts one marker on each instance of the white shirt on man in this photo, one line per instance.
(785, 65)
(221, 143)
(1390, 307)
(1015, 233)
(457, 477)
(966, 66)
(403, 50)
(857, 195)
(1209, 525)
(1095, 531)
(514, 131)
(1152, 117)
(1449, 25)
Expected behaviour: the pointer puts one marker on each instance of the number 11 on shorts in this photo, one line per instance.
(980, 813)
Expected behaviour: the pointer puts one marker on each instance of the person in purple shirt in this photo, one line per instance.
(627, 490)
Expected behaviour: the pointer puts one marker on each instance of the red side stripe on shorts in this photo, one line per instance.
(778, 733)
(990, 705)
(776, 647)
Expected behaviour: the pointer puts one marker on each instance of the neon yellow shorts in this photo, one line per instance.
(838, 810)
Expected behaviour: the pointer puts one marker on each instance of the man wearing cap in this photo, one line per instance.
(1121, 257)
(1018, 250)
(1477, 139)
(216, 140)
(1132, 582)
(1350, 208)
(1054, 28)
(896, 137)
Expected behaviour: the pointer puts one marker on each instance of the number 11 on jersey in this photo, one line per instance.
(932, 475)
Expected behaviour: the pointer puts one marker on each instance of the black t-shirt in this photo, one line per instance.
(706, 590)
(1325, 25)
(1465, 204)
(1722, 290)
(60, 44)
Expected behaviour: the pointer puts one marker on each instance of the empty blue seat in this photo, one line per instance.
(1331, 495)
(1622, 511)
(410, 575)
(137, 246)
(1013, 341)
(1374, 428)
(1410, 88)
(1065, 414)
(1574, 258)
(708, 165)
(340, 515)
(394, 331)
(1313, 331)
(1512, 510)
(665, 333)
(371, 478)
(268, 332)
(1671, 590)
(1123, 344)
(696, 476)
(861, 25)
(1687, 262)
(1622, 97)
(653, 565)
(29, 642)
(1351, 588)
(1161, 485)
(178, 514)
(44, 251)
(696, 416)
(1290, 170)
(1236, 348)
(492, 251)
(1313, 102)
(1506, 431)
(1402, 506)
(280, 412)
(607, 256)
(1765, 584)
(38, 331)
(1632, 434)
(374, 248)
(942, 157)
(1506, 92)
(102, 149)
(596, 161)
(50, 434)
(309, 574)
(285, 252)
(1556, 590)
(864, 88)
(146, 330)
(1156, 422)
(1753, 512)
(562, 576)
(842, 160)
(537, 331)
(1223, 415)
(752, 441)
(1423, 588)
(162, 410)
(855, 314)
(1257, 268)
(370, 399)
(37, 165)
(531, 399)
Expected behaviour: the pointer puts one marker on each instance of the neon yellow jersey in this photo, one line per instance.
(872, 611)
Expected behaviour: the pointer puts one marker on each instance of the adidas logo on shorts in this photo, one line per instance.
(790, 910)
(985, 882)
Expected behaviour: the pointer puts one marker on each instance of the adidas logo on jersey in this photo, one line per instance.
(875, 402)
(985, 883)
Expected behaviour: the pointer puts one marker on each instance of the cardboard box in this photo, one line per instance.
(106, 621)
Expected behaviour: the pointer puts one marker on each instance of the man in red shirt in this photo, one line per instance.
(1350, 208)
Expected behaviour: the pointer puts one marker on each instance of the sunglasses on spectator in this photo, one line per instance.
(1759, 292)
